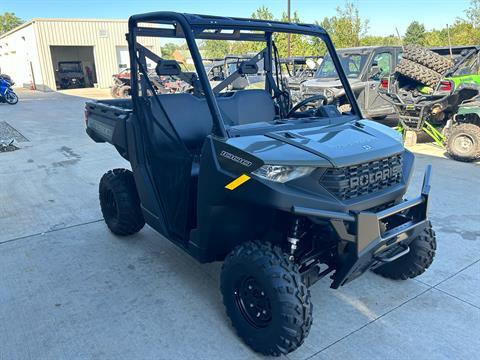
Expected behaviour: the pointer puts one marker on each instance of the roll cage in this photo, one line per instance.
(191, 27)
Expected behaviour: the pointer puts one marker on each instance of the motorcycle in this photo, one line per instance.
(6, 93)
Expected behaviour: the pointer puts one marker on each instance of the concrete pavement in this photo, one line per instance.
(70, 289)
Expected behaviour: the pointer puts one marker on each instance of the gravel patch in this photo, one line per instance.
(8, 132)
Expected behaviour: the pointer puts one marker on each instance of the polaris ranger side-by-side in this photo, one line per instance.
(284, 194)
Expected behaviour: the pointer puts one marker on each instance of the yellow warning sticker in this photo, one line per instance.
(237, 182)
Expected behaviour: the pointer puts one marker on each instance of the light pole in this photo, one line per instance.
(288, 38)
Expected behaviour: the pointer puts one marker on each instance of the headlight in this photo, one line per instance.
(282, 173)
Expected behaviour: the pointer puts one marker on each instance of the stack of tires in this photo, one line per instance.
(422, 65)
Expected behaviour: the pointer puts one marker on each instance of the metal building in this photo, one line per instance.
(32, 52)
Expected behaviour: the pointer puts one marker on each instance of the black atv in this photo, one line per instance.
(70, 75)
(284, 197)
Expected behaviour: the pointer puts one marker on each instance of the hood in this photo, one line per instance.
(332, 145)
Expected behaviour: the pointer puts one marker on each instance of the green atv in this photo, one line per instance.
(446, 107)
(463, 132)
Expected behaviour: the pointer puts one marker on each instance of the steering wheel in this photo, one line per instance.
(307, 101)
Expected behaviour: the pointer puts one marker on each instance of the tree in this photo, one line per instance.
(216, 48)
(463, 33)
(346, 28)
(262, 13)
(220, 48)
(371, 40)
(436, 38)
(473, 13)
(298, 43)
(9, 21)
(415, 33)
(248, 47)
(168, 49)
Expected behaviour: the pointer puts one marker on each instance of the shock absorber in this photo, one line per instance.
(295, 236)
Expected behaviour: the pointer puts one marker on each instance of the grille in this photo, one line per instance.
(357, 180)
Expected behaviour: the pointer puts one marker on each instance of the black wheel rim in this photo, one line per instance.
(110, 205)
(253, 302)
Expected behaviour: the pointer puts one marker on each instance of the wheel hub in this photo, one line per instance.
(253, 302)
(464, 143)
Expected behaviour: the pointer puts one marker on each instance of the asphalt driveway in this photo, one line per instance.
(70, 289)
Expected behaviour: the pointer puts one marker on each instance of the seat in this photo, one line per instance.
(246, 107)
(191, 117)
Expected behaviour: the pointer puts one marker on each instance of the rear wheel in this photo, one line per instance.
(416, 261)
(463, 143)
(120, 203)
(266, 298)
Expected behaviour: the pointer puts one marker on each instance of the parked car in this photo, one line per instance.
(364, 67)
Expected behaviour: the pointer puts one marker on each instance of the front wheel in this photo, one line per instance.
(266, 298)
(463, 143)
(123, 92)
(114, 91)
(11, 98)
(416, 261)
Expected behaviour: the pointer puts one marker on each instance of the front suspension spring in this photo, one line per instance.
(295, 236)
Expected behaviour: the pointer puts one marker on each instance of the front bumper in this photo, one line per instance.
(378, 237)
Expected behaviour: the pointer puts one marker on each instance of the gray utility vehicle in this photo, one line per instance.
(284, 197)
(297, 69)
(364, 67)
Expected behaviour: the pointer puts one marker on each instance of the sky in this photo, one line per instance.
(383, 15)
